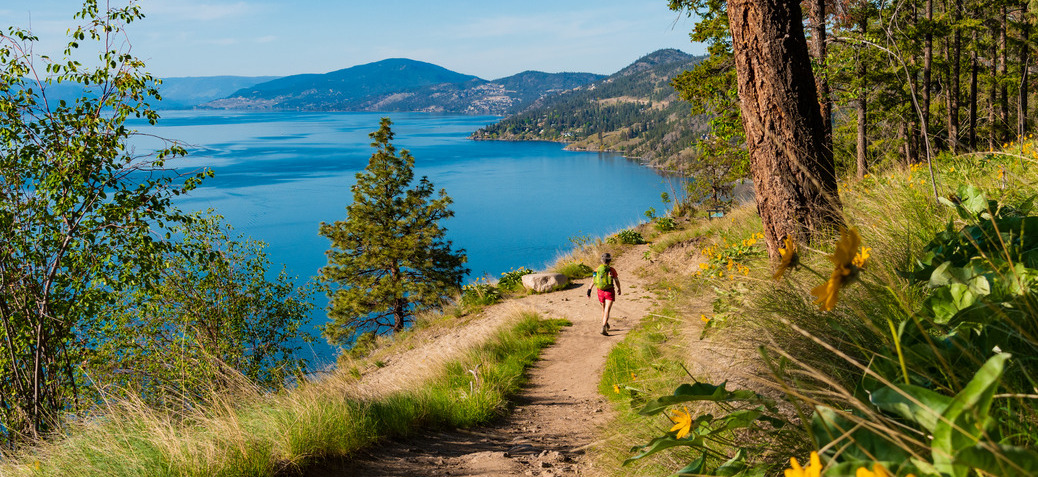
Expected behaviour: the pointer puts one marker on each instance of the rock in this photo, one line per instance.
(544, 282)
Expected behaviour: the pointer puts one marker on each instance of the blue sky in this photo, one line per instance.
(276, 37)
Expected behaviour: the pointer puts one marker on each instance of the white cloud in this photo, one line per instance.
(266, 39)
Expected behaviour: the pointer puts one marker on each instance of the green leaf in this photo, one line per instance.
(832, 429)
(964, 421)
(972, 200)
(961, 296)
(694, 468)
(919, 405)
(941, 276)
(663, 443)
(698, 392)
(734, 465)
(999, 459)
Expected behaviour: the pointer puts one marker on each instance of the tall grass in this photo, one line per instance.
(881, 379)
(251, 433)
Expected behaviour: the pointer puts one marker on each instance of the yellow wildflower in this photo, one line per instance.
(814, 468)
(704, 318)
(634, 377)
(846, 263)
(787, 257)
(861, 257)
(682, 422)
(704, 266)
(616, 388)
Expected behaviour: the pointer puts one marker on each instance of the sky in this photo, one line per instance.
(488, 39)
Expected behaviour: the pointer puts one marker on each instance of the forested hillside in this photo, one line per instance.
(635, 111)
(400, 84)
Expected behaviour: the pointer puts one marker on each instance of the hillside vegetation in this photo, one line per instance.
(635, 111)
(923, 366)
(400, 84)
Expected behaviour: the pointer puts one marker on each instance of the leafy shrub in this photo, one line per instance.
(665, 224)
(513, 280)
(480, 293)
(730, 257)
(629, 237)
(983, 279)
(575, 270)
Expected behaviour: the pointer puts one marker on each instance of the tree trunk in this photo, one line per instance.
(954, 90)
(927, 63)
(399, 314)
(912, 140)
(793, 171)
(993, 94)
(1025, 57)
(1003, 62)
(974, 67)
(863, 99)
(818, 50)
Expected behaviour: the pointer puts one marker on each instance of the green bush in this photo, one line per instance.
(480, 293)
(629, 237)
(665, 224)
(513, 280)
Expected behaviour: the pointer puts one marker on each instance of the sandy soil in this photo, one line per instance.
(557, 416)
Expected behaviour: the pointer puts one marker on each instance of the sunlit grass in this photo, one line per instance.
(247, 432)
(823, 360)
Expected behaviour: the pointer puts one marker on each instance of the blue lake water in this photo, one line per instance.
(278, 175)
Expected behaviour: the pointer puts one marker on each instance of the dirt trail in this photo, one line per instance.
(556, 416)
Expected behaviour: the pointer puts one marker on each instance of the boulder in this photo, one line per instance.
(544, 282)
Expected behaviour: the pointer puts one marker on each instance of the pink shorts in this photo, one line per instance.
(604, 295)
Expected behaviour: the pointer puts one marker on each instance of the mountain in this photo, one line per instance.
(188, 92)
(634, 111)
(177, 92)
(499, 97)
(402, 85)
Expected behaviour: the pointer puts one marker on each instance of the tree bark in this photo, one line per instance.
(927, 63)
(1003, 63)
(954, 90)
(863, 98)
(993, 93)
(1025, 57)
(818, 50)
(974, 67)
(792, 166)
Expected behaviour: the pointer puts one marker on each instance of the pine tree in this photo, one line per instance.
(389, 258)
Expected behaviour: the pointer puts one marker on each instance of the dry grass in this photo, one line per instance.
(247, 432)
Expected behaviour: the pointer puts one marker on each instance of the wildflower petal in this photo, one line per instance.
(682, 422)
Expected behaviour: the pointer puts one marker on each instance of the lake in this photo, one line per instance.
(278, 175)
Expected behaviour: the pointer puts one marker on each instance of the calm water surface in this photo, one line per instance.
(279, 175)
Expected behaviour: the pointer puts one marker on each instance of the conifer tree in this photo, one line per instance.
(389, 258)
